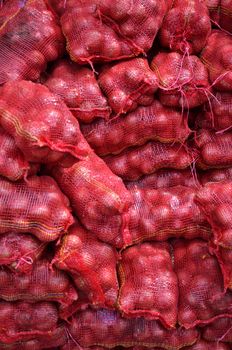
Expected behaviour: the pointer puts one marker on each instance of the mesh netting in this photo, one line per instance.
(8, 8)
(226, 15)
(205, 345)
(224, 257)
(109, 329)
(183, 81)
(19, 251)
(40, 122)
(41, 284)
(219, 330)
(215, 149)
(92, 265)
(166, 213)
(22, 320)
(28, 40)
(164, 178)
(51, 341)
(101, 201)
(128, 84)
(218, 114)
(12, 162)
(215, 200)
(186, 26)
(216, 175)
(130, 164)
(106, 31)
(217, 57)
(36, 206)
(79, 89)
(58, 6)
(148, 285)
(201, 289)
(214, 7)
(154, 122)
(221, 13)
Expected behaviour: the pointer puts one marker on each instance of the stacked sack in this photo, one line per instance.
(115, 174)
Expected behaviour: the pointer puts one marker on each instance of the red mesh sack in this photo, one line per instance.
(219, 330)
(201, 289)
(55, 338)
(128, 84)
(226, 15)
(19, 251)
(79, 89)
(217, 57)
(205, 345)
(8, 8)
(106, 31)
(40, 122)
(216, 175)
(218, 114)
(36, 206)
(215, 200)
(137, 21)
(154, 122)
(214, 9)
(12, 162)
(148, 285)
(130, 164)
(164, 178)
(101, 202)
(109, 329)
(186, 26)
(92, 265)
(224, 257)
(183, 81)
(41, 284)
(22, 321)
(28, 40)
(58, 6)
(165, 213)
(215, 149)
(89, 38)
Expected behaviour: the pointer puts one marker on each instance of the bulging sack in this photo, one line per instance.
(164, 178)
(166, 213)
(215, 149)
(183, 80)
(216, 56)
(101, 31)
(40, 122)
(215, 200)
(148, 284)
(218, 113)
(36, 206)
(23, 321)
(41, 284)
(19, 251)
(98, 197)
(133, 163)
(79, 89)
(13, 164)
(109, 329)
(92, 265)
(29, 38)
(186, 26)
(201, 291)
(154, 122)
(128, 84)
(55, 338)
